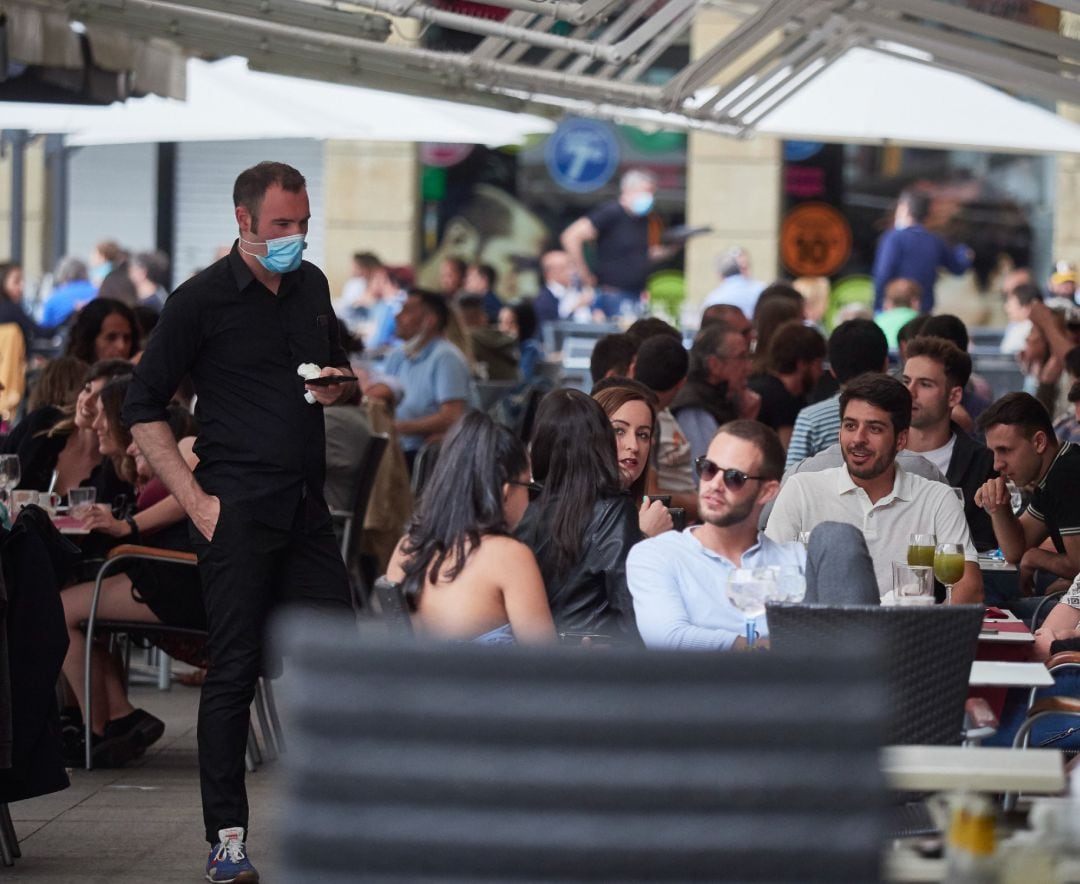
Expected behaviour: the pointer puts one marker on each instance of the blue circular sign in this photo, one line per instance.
(582, 155)
(797, 151)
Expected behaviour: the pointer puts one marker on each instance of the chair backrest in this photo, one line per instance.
(458, 762)
(365, 481)
(424, 466)
(393, 606)
(929, 655)
(348, 440)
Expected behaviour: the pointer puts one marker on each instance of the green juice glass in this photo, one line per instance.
(949, 566)
(921, 549)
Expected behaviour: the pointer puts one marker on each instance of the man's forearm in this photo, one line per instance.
(968, 590)
(432, 424)
(1010, 535)
(1055, 563)
(158, 446)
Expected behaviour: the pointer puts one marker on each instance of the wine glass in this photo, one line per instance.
(10, 474)
(949, 566)
(748, 589)
(921, 549)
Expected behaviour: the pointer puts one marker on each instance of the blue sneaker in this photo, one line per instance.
(228, 859)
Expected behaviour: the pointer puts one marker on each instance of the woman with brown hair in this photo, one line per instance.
(631, 408)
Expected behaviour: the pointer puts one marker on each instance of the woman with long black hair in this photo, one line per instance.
(583, 524)
(465, 576)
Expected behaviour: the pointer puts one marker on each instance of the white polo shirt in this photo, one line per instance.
(914, 506)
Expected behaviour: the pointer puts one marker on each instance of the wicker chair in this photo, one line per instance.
(929, 652)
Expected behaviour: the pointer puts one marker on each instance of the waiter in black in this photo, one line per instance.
(260, 526)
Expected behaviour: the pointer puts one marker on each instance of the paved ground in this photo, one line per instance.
(141, 823)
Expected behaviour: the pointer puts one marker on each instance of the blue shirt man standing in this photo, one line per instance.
(910, 251)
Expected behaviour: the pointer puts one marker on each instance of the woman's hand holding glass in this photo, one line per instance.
(99, 517)
(653, 518)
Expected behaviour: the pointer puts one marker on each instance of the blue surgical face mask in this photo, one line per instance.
(282, 254)
(641, 203)
(97, 274)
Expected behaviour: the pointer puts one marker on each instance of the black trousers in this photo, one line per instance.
(248, 570)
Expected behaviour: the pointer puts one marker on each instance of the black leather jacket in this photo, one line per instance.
(593, 597)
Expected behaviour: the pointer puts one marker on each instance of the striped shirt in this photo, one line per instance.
(816, 428)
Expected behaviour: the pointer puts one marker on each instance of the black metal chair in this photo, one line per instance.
(424, 466)
(393, 606)
(929, 652)
(347, 519)
(457, 762)
(158, 633)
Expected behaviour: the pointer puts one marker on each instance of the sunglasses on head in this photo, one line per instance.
(734, 480)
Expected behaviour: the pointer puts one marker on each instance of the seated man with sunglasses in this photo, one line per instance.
(872, 492)
(678, 580)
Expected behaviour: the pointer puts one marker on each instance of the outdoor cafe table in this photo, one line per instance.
(1004, 639)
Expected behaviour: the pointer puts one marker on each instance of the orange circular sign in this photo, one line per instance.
(815, 240)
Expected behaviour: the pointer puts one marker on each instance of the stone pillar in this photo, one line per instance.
(34, 209)
(371, 192)
(731, 185)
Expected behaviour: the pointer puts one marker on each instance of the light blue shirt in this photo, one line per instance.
(680, 589)
(739, 291)
(437, 374)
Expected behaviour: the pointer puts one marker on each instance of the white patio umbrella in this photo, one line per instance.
(226, 102)
(870, 97)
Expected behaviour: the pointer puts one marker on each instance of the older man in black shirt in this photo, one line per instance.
(260, 527)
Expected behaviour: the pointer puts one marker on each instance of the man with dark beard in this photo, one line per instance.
(678, 579)
(873, 493)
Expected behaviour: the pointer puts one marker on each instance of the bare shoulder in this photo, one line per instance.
(496, 549)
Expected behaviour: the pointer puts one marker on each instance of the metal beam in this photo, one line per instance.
(215, 31)
(812, 30)
(1001, 30)
(574, 13)
(947, 51)
(750, 33)
(485, 28)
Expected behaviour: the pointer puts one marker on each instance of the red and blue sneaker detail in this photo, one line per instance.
(228, 860)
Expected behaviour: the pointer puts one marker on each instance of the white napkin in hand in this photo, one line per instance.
(308, 370)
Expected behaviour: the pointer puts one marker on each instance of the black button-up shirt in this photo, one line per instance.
(260, 445)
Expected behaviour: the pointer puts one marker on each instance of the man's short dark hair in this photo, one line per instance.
(856, 347)
(1025, 293)
(719, 312)
(708, 342)
(917, 202)
(764, 439)
(435, 304)
(661, 363)
(367, 260)
(612, 353)
(955, 362)
(649, 326)
(251, 186)
(490, 274)
(949, 327)
(1018, 410)
(882, 391)
(912, 328)
(793, 343)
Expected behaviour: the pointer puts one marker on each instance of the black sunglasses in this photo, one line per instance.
(534, 487)
(734, 480)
